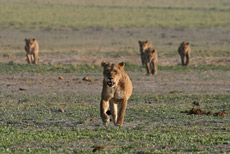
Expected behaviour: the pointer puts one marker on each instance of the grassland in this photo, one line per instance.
(90, 68)
(32, 123)
(77, 15)
(40, 113)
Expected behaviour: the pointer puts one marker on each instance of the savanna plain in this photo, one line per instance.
(48, 108)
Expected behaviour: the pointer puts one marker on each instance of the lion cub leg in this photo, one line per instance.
(147, 64)
(113, 109)
(121, 112)
(182, 59)
(29, 58)
(35, 56)
(187, 59)
(104, 106)
(142, 58)
(154, 68)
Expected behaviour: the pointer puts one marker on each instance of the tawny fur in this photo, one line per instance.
(32, 49)
(149, 56)
(117, 88)
(144, 45)
(185, 51)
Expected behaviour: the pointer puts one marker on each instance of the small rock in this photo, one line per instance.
(86, 78)
(196, 103)
(22, 89)
(60, 78)
(209, 113)
(98, 148)
(221, 113)
(61, 110)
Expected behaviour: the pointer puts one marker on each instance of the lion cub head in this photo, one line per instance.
(30, 42)
(112, 73)
(144, 45)
(185, 46)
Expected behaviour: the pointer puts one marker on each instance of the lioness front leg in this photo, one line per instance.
(104, 106)
(121, 112)
(113, 109)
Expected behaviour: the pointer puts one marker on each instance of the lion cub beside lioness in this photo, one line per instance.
(32, 49)
(117, 88)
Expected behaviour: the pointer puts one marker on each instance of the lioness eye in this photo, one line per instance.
(115, 71)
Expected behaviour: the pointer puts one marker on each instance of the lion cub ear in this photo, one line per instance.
(25, 39)
(103, 63)
(187, 43)
(122, 64)
(33, 39)
(153, 50)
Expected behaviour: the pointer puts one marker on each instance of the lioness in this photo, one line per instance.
(184, 51)
(117, 88)
(150, 57)
(143, 45)
(32, 49)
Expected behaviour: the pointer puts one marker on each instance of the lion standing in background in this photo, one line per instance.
(149, 57)
(32, 49)
(184, 51)
(143, 44)
(117, 88)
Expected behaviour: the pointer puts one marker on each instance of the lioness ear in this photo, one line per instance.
(139, 42)
(187, 43)
(25, 39)
(153, 50)
(33, 39)
(122, 64)
(103, 63)
(146, 41)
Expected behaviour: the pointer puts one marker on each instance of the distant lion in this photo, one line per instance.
(185, 51)
(143, 45)
(32, 49)
(117, 88)
(149, 56)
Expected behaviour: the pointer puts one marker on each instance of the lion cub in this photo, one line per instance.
(149, 57)
(184, 51)
(32, 49)
(117, 88)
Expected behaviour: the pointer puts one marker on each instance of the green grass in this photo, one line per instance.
(35, 126)
(49, 15)
(91, 68)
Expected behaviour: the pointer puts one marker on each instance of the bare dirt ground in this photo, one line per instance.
(207, 82)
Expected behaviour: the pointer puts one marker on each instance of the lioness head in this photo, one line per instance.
(144, 45)
(184, 45)
(30, 42)
(112, 73)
